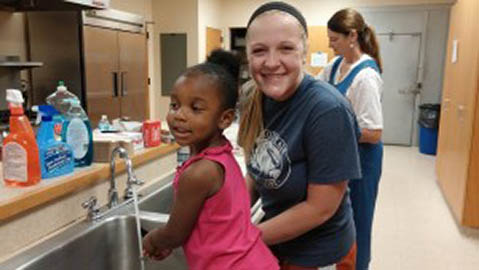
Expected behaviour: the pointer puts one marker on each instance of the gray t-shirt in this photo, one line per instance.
(310, 138)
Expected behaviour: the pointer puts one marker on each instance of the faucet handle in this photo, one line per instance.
(93, 210)
(134, 180)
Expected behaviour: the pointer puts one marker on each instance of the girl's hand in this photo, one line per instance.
(160, 255)
(151, 250)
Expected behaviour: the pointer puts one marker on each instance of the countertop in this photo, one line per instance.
(15, 200)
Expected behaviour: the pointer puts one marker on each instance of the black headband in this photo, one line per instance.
(281, 6)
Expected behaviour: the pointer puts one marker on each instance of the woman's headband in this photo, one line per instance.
(281, 6)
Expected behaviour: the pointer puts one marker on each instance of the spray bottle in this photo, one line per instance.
(56, 157)
(21, 165)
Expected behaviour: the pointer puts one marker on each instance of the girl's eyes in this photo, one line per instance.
(196, 108)
(173, 105)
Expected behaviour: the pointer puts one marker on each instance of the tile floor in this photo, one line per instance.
(413, 227)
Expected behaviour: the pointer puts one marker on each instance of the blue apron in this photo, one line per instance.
(363, 191)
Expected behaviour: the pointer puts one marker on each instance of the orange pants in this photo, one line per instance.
(348, 262)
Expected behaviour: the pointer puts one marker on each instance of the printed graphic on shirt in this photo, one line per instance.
(270, 164)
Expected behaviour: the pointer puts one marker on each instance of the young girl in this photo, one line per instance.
(211, 211)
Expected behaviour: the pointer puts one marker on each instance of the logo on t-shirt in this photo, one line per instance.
(270, 163)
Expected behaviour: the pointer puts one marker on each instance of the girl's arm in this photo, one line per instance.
(198, 182)
(251, 186)
(321, 203)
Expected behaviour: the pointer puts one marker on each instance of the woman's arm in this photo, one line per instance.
(320, 205)
(251, 186)
(370, 135)
(198, 182)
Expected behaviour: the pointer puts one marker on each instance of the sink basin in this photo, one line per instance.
(110, 244)
(159, 201)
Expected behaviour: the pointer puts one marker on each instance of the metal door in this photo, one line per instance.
(101, 73)
(400, 55)
(133, 75)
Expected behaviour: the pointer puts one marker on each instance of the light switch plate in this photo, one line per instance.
(454, 51)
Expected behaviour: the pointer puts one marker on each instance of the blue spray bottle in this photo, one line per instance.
(56, 157)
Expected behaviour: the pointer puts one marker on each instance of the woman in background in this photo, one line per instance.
(356, 73)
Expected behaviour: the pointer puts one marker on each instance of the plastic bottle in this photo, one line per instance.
(21, 164)
(76, 128)
(57, 100)
(56, 157)
(104, 124)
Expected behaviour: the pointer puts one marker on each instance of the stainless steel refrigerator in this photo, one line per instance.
(100, 55)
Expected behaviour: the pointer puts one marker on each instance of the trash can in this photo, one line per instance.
(428, 128)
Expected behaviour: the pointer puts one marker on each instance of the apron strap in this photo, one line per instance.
(346, 83)
(334, 69)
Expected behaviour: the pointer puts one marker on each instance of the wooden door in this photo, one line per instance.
(101, 66)
(456, 153)
(471, 209)
(213, 39)
(133, 75)
(318, 42)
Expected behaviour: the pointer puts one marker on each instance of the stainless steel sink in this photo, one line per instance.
(109, 243)
(159, 201)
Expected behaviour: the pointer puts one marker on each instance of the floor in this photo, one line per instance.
(413, 227)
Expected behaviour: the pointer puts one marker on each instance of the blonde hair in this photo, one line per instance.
(251, 117)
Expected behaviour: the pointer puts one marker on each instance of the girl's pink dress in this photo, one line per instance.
(224, 237)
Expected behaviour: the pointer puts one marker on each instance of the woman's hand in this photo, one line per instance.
(370, 135)
(321, 204)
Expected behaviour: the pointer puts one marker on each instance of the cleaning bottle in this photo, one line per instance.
(20, 160)
(76, 128)
(56, 157)
(56, 99)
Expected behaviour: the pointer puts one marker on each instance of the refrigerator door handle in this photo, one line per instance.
(115, 84)
(124, 90)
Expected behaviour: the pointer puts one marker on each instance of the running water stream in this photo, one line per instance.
(138, 229)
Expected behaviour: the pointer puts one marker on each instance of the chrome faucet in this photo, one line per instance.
(113, 192)
(93, 210)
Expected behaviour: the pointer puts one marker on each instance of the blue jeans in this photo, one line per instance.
(363, 193)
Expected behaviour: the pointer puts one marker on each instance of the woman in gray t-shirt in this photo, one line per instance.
(300, 142)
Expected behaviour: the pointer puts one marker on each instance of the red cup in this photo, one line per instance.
(152, 133)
